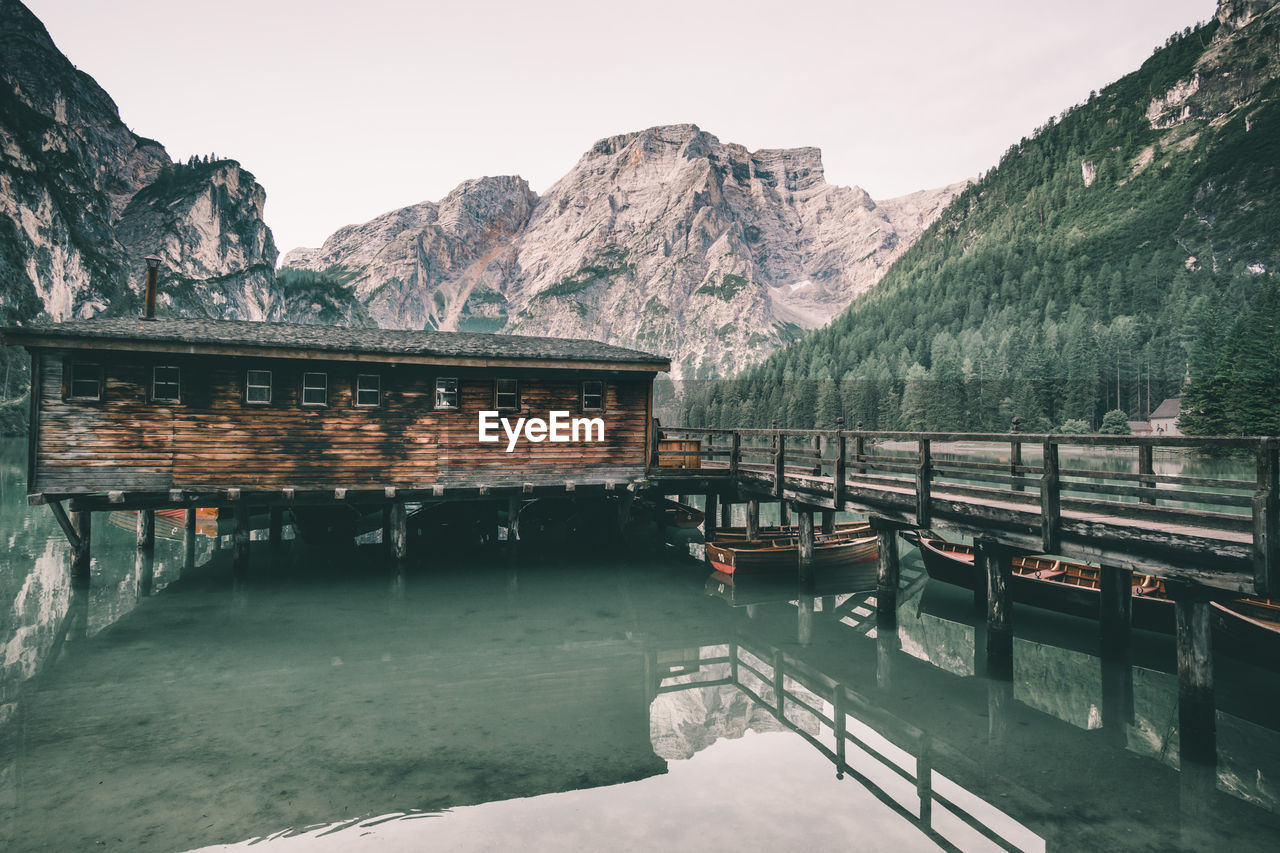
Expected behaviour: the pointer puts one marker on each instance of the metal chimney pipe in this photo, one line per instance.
(149, 301)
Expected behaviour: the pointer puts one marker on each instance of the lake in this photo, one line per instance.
(617, 700)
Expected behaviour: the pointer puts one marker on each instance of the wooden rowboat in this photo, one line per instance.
(1248, 627)
(762, 556)
(673, 513)
(789, 531)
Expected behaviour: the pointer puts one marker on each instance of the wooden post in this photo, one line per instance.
(144, 563)
(240, 538)
(189, 542)
(860, 450)
(998, 562)
(146, 528)
(817, 456)
(275, 526)
(1266, 517)
(784, 513)
(806, 547)
(1196, 716)
(886, 574)
(189, 520)
(1117, 697)
(838, 477)
(726, 513)
(1115, 613)
(1015, 454)
(779, 464)
(709, 518)
(81, 555)
(735, 451)
(399, 531)
(753, 518)
(655, 433)
(924, 485)
(1050, 500)
(1146, 465)
(513, 522)
(828, 521)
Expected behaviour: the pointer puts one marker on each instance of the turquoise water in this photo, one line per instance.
(620, 700)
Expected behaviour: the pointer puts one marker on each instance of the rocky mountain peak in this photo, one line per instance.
(1234, 14)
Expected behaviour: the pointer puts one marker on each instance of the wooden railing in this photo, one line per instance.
(1015, 480)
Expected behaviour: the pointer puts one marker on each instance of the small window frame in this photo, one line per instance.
(94, 369)
(176, 382)
(456, 393)
(357, 389)
(304, 388)
(513, 394)
(249, 385)
(598, 395)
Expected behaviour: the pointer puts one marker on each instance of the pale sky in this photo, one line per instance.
(345, 110)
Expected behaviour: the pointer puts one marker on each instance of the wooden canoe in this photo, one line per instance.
(1248, 627)
(763, 556)
(789, 531)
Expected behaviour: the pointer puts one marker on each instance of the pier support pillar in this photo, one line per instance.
(709, 517)
(998, 564)
(144, 564)
(147, 529)
(1197, 727)
(753, 518)
(726, 513)
(275, 526)
(806, 548)
(784, 513)
(513, 522)
(1117, 696)
(1115, 613)
(399, 531)
(886, 574)
(240, 539)
(828, 521)
(82, 521)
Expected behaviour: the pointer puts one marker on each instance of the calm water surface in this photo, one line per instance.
(622, 701)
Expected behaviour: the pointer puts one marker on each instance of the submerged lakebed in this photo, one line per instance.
(621, 699)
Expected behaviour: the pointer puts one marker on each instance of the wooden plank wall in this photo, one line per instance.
(214, 439)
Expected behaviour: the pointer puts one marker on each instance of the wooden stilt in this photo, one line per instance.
(240, 539)
(189, 520)
(886, 576)
(753, 519)
(82, 522)
(726, 513)
(828, 521)
(998, 562)
(805, 549)
(513, 522)
(784, 513)
(1115, 614)
(189, 544)
(1197, 727)
(146, 526)
(709, 517)
(399, 531)
(1117, 696)
(144, 563)
(275, 526)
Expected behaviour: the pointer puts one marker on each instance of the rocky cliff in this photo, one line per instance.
(666, 239)
(83, 199)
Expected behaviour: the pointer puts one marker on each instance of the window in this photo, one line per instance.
(506, 395)
(257, 386)
(315, 389)
(446, 393)
(166, 384)
(592, 396)
(368, 389)
(84, 381)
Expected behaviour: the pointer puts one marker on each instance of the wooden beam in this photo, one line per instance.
(68, 530)
(886, 576)
(1115, 609)
(828, 521)
(924, 483)
(1266, 518)
(709, 517)
(1050, 501)
(735, 453)
(1197, 725)
(998, 562)
(838, 476)
(726, 512)
(779, 463)
(1146, 465)
(753, 518)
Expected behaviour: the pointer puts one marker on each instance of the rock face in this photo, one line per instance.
(666, 240)
(83, 199)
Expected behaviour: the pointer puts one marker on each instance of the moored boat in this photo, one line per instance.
(673, 513)
(762, 556)
(789, 531)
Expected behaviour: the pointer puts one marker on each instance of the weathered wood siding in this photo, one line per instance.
(213, 438)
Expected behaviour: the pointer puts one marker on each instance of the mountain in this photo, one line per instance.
(83, 200)
(1129, 242)
(666, 239)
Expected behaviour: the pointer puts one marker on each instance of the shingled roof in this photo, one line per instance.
(1170, 408)
(199, 335)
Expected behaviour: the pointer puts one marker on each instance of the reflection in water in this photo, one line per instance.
(477, 701)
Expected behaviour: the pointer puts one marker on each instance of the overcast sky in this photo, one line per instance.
(344, 110)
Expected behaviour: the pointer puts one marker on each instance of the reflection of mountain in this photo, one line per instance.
(688, 720)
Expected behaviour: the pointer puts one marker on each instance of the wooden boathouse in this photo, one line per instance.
(147, 413)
